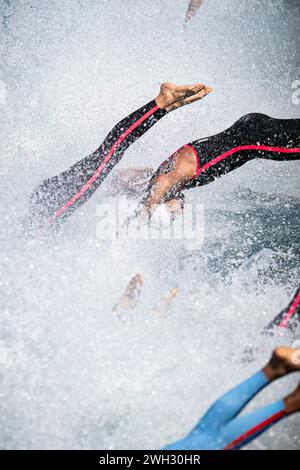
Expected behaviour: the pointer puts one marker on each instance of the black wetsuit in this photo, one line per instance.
(58, 197)
(252, 136)
(289, 317)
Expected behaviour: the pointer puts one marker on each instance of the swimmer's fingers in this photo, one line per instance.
(197, 96)
(130, 297)
(185, 91)
(172, 293)
(165, 302)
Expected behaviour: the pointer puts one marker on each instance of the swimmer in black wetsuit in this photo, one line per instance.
(58, 197)
(200, 162)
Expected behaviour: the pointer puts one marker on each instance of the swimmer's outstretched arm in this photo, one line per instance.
(200, 162)
(58, 197)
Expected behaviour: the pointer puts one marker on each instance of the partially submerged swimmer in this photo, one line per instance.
(254, 136)
(221, 428)
(195, 164)
(58, 197)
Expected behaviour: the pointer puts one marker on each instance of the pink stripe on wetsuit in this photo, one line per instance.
(59, 196)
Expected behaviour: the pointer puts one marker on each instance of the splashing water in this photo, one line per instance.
(73, 375)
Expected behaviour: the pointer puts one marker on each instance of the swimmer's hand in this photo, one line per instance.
(130, 297)
(165, 302)
(173, 96)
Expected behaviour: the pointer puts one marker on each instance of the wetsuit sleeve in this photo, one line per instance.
(232, 402)
(220, 428)
(209, 432)
(240, 431)
(252, 136)
(288, 318)
(58, 197)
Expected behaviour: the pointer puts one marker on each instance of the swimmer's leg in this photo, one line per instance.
(58, 197)
(219, 426)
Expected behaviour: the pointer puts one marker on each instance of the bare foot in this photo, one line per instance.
(173, 96)
(292, 401)
(131, 295)
(284, 360)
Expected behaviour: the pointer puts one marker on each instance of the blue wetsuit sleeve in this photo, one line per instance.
(208, 433)
(232, 402)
